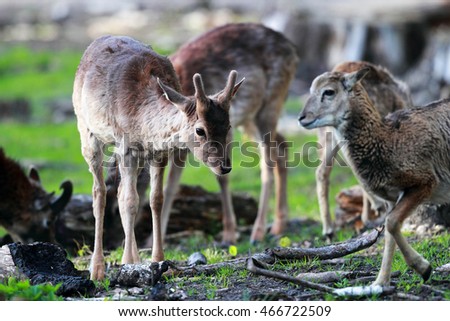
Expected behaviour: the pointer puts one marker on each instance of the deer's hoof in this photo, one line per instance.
(426, 275)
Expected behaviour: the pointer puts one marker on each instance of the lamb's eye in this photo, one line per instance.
(200, 132)
(328, 93)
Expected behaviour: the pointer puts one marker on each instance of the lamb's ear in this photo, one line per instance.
(350, 79)
(174, 97)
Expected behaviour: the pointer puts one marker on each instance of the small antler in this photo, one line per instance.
(230, 89)
(199, 88)
(230, 85)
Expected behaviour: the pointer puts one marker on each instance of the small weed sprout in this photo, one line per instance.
(22, 290)
(285, 242)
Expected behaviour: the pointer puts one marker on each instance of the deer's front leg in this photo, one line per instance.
(92, 153)
(323, 171)
(128, 207)
(228, 218)
(173, 181)
(156, 203)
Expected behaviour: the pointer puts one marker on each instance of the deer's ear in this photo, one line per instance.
(34, 175)
(350, 80)
(236, 87)
(177, 99)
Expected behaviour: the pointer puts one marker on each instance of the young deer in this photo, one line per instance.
(27, 211)
(403, 158)
(387, 94)
(269, 62)
(125, 93)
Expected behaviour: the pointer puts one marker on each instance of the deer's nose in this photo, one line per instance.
(225, 169)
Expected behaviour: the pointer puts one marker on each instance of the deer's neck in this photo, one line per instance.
(165, 127)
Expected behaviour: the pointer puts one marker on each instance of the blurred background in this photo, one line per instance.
(41, 43)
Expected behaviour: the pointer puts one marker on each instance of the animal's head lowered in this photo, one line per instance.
(34, 210)
(328, 104)
(45, 209)
(209, 129)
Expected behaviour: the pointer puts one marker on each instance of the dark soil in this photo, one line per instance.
(236, 283)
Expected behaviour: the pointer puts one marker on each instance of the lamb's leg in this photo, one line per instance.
(365, 215)
(281, 215)
(156, 204)
(404, 208)
(128, 207)
(92, 153)
(384, 276)
(323, 171)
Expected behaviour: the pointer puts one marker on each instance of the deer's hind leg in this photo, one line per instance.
(281, 214)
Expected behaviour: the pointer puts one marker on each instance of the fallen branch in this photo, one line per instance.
(407, 297)
(359, 291)
(444, 268)
(329, 276)
(7, 267)
(140, 274)
(330, 251)
(252, 266)
(265, 257)
(271, 255)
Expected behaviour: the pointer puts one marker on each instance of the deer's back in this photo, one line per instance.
(116, 82)
(263, 56)
(15, 191)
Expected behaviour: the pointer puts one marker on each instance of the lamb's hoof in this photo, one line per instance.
(427, 274)
(254, 242)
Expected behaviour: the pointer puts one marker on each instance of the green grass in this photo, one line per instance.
(42, 75)
(18, 290)
(55, 150)
(39, 76)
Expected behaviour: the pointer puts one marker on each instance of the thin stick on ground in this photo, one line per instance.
(252, 267)
(358, 291)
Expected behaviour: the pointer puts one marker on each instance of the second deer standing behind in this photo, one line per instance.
(268, 61)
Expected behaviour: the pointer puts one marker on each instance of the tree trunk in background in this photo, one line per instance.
(349, 204)
(194, 209)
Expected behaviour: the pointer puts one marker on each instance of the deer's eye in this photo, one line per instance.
(200, 132)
